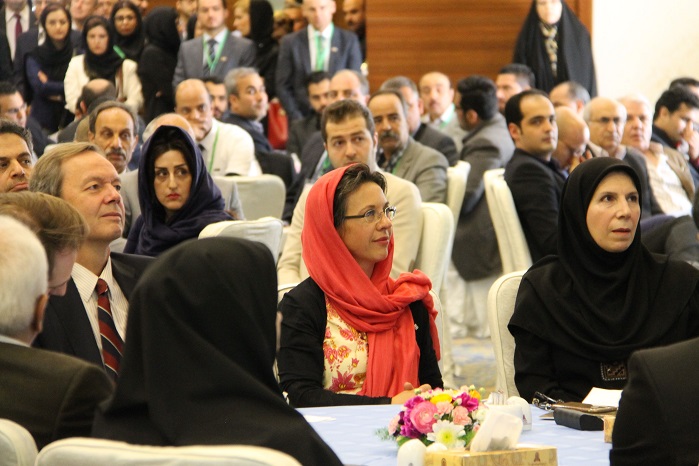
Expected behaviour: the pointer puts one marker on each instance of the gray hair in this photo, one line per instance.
(234, 75)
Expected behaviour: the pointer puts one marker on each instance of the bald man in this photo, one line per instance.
(437, 96)
(570, 94)
(573, 136)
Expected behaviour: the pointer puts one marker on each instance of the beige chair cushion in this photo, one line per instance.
(266, 230)
(17, 447)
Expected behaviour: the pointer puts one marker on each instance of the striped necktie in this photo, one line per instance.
(210, 64)
(112, 344)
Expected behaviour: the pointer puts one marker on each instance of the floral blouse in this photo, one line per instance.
(345, 352)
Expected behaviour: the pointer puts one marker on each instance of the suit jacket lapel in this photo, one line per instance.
(305, 51)
(226, 56)
(335, 47)
(124, 273)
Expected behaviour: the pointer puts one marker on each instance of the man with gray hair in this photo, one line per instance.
(113, 129)
(421, 132)
(570, 94)
(53, 396)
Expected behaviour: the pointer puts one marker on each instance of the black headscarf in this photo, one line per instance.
(197, 366)
(131, 45)
(203, 206)
(54, 62)
(103, 66)
(161, 29)
(598, 304)
(575, 62)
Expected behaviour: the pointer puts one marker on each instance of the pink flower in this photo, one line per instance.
(461, 417)
(468, 402)
(444, 407)
(422, 416)
(393, 425)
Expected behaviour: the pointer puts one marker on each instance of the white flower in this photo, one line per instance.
(448, 434)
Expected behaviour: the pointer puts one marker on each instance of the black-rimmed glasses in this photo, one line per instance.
(373, 216)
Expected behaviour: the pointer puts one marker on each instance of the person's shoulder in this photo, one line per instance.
(686, 351)
(232, 130)
(426, 154)
(396, 185)
(133, 260)
(51, 362)
(239, 42)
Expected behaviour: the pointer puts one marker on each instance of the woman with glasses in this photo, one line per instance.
(581, 313)
(351, 334)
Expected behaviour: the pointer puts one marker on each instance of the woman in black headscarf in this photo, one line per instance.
(158, 61)
(177, 196)
(580, 314)
(255, 20)
(128, 25)
(556, 46)
(46, 67)
(197, 365)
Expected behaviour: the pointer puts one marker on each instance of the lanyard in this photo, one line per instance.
(212, 64)
(213, 150)
(119, 52)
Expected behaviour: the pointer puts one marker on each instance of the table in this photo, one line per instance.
(351, 433)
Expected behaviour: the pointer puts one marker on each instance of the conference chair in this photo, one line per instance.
(456, 187)
(17, 446)
(501, 305)
(266, 230)
(229, 191)
(79, 451)
(514, 251)
(261, 196)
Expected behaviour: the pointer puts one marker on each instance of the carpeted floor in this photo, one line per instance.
(475, 362)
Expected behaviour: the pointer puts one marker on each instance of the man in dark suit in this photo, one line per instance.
(319, 47)
(53, 396)
(533, 178)
(13, 107)
(475, 255)
(74, 323)
(217, 51)
(656, 423)
(421, 132)
(15, 17)
(248, 102)
(318, 86)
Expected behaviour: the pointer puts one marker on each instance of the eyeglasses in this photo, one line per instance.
(373, 216)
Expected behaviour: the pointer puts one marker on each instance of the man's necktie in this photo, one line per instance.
(112, 344)
(209, 66)
(321, 52)
(18, 26)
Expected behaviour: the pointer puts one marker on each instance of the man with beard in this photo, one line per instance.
(113, 129)
(400, 154)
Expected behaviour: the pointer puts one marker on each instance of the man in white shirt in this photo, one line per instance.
(16, 19)
(440, 112)
(227, 149)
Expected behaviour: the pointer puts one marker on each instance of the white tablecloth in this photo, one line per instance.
(351, 433)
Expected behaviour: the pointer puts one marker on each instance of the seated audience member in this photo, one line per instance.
(556, 46)
(104, 8)
(58, 225)
(350, 137)
(570, 94)
(219, 96)
(437, 97)
(113, 129)
(421, 132)
(199, 371)
(16, 161)
(511, 80)
(573, 137)
(318, 85)
(668, 172)
(13, 108)
(80, 10)
(158, 61)
(675, 111)
(52, 395)
(93, 93)
(400, 154)
(129, 37)
(581, 313)
(46, 67)
(351, 334)
(101, 61)
(535, 180)
(227, 149)
(661, 387)
(177, 196)
(99, 279)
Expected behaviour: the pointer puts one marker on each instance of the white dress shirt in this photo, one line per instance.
(229, 149)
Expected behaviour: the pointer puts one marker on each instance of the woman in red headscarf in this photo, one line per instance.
(351, 334)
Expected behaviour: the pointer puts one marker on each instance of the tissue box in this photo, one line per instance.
(524, 455)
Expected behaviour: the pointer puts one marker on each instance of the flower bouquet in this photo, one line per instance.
(449, 417)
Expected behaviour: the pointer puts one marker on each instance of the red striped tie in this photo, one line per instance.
(112, 344)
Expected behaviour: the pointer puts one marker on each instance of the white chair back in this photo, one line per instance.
(514, 250)
(261, 196)
(229, 192)
(266, 230)
(17, 447)
(456, 187)
(501, 305)
(79, 451)
(434, 252)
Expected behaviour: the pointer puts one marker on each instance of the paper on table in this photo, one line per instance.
(311, 419)
(603, 397)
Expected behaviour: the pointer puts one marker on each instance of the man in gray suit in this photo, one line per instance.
(438, 100)
(475, 256)
(319, 47)
(217, 51)
(400, 154)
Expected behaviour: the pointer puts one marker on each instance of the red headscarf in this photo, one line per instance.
(378, 306)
